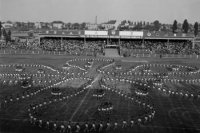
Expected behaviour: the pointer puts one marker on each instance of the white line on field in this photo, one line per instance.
(83, 100)
(108, 65)
(134, 61)
(80, 104)
(14, 119)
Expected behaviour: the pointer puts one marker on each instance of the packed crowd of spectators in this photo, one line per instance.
(19, 45)
(57, 45)
(3, 44)
(79, 46)
(161, 47)
(132, 44)
(71, 45)
(96, 45)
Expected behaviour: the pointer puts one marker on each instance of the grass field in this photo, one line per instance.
(174, 113)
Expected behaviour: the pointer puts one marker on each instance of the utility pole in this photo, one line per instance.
(96, 20)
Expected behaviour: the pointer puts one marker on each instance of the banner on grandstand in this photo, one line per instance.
(113, 33)
(74, 32)
(135, 34)
(96, 33)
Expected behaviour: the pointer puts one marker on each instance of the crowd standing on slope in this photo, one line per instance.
(80, 47)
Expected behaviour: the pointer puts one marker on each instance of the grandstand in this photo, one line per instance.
(99, 66)
(87, 81)
(130, 43)
(97, 43)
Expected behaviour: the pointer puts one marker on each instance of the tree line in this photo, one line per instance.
(155, 26)
(185, 27)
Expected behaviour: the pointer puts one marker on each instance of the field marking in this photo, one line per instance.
(14, 119)
(80, 104)
(108, 65)
(83, 100)
(96, 79)
(135, 61)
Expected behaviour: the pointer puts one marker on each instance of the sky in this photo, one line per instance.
(166, 11)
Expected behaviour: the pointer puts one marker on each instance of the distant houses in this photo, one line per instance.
(92, 26)
(109, 25)
(57, 24)
(7, 25)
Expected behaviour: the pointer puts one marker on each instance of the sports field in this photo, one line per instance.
(175, 99)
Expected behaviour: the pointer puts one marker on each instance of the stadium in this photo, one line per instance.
(61, 73)
(100, 81)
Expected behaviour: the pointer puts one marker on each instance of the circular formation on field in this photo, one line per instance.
(128, 86)
(105, 107)
(99, 93)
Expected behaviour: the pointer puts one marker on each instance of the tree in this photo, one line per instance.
(82, 26)
(123, 22)
(144, 23)
(0, 29)
(76, 26)
(164, 28)
(156, 25)
(138, 23)
(196, 28)
(138, 27)
(149, 27)
(185, 26)
(135, 23)
(5, 35)
(174, 27)
(68, 25)
(141, 23)
(19, 25)
(100, 27)
(9, 36)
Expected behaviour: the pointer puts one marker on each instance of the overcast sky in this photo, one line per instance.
(86, 10)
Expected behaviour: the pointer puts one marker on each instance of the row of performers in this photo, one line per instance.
(88, 127)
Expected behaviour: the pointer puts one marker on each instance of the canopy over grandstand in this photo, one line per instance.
(116, 34)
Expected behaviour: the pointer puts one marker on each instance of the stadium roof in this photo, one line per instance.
(115, 34)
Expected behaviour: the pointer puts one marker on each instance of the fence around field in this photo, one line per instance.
(148, 53)
(166, 56)
(40, 52)
(138, 55)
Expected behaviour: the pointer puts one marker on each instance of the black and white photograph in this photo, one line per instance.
(99, 66)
